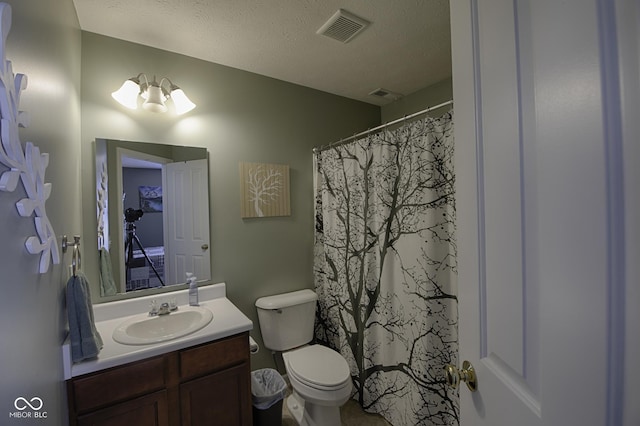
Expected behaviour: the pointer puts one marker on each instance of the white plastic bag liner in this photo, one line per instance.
(267, 388)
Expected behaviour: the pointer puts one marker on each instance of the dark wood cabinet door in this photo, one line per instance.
(149, 410)
(222, 398)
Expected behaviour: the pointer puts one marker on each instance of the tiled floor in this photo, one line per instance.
(351, 414)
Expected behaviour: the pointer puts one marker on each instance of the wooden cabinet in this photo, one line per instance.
(201, 385)
(148, 410)
(227, 388)
(211, 373)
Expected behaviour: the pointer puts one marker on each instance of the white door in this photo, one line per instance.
(186, 230)
(541, 107)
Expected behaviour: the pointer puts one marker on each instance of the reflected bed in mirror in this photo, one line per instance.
(153, 215)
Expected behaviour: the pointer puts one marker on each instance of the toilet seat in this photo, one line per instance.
(319, 367)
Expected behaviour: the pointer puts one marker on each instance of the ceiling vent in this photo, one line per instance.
(386, 94)
(343, 26)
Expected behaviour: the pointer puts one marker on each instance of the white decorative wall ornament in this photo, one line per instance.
(102, 205)
(27, 165)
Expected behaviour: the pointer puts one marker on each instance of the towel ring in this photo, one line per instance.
(76, 259)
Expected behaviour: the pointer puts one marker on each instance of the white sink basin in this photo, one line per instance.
(144, 330)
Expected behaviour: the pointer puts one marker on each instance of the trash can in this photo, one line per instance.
(267, 392)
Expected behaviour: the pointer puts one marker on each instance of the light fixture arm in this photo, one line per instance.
(166, 92)
(143, 86)
(172, 86)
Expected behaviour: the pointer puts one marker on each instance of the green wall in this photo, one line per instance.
(240, 116)
(44, 44)
(417, 101)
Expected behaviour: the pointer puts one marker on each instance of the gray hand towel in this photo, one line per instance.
(107, 285)
(85, 339)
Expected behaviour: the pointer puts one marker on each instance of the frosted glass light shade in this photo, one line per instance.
(127, 94)
(181, 101)
(155, 100)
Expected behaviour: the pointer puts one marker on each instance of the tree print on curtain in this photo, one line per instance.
(385, 268)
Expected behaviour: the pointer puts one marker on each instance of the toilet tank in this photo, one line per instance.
(287, 320)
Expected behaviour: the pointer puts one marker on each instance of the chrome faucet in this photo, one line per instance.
(153, 308)
(164, 309)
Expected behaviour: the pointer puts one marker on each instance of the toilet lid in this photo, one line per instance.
(319, 365)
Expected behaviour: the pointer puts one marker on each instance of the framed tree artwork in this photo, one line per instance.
(264, 190)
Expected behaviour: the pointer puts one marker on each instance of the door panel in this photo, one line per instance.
(187, 235)
(500, 168)
(536, 212)
(628, 35)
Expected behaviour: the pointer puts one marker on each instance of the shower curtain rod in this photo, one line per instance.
(366, 132)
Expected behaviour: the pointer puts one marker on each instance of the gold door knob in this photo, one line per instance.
(205, 247)
(467, 374)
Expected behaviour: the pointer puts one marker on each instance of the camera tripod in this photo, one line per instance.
(128, 248)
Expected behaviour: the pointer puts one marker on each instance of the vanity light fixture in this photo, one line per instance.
(154, 94)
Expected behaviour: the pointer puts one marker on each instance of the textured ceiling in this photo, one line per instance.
(406, 48)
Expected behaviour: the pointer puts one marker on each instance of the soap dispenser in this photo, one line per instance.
(193, 289)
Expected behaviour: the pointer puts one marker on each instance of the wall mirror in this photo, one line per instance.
(152, 214)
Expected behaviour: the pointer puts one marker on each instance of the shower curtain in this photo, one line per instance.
(385, 268)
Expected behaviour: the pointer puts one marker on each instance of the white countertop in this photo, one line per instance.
(227, 321)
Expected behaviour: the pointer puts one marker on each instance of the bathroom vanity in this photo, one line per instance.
(199, 379)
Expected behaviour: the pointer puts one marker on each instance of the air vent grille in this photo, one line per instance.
(343, 26)
(379, 92)
(387, 94)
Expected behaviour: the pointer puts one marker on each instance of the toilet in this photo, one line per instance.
(320, 377)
